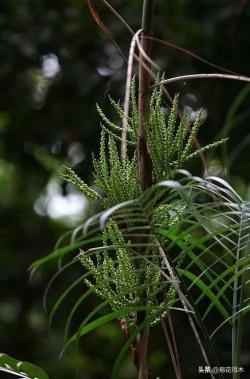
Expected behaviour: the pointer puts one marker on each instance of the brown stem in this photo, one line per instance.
(145, 177)
(144, 164)
(143, 348)
(144, 161)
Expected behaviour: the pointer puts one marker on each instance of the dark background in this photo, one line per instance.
(55, 65)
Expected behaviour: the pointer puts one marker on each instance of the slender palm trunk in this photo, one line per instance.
(144, 164)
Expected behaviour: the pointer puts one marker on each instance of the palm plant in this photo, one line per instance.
(161, 234)
(132, 267)
(194, 233)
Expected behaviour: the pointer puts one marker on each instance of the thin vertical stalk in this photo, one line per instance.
(238, 323)
(171, 350)
(144, 161)
(127, 97)
(235, 346)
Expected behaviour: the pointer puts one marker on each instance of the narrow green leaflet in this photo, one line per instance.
(63, 251)
(212, 297)
(23, 370)
(85, 329)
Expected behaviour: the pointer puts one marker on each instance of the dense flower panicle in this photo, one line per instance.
(116, 274)
(170, 143)
(70, 176)
(116, 277)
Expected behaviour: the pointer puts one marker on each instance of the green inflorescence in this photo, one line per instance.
(117, 276)
(118, 279)
(170, 143)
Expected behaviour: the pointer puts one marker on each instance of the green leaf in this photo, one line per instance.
(85, 329)
(24, 370)
(212, 297)
(63, 251)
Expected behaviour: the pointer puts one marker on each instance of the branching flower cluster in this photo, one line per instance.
(170, 143)
(119, 278)
(119, 275)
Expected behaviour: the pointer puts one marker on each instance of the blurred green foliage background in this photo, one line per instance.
(55, 65)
